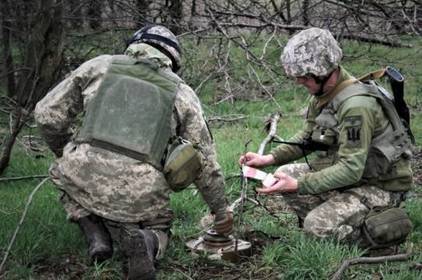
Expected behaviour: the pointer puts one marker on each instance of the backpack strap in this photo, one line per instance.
(374, 75)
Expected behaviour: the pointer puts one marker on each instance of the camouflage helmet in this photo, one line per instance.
(161, 38)
(311, 51)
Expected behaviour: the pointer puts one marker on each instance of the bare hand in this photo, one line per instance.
(285, 184)
(256, 160)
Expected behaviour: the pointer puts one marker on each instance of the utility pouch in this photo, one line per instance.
(183, 164)
(385, 227)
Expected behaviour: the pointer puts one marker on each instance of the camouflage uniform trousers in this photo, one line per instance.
(336, 214)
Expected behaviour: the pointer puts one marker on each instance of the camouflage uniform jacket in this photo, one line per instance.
(345, 163)
(109, 184)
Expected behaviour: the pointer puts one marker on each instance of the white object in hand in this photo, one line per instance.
(267, 179)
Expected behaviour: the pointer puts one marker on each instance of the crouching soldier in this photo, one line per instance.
(126, 130)
(361, 172)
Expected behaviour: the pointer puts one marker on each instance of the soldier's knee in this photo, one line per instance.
(315, 226)
(325, 228)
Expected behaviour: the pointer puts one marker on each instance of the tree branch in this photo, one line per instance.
(23, 178)
(272, 123)
(367, 260)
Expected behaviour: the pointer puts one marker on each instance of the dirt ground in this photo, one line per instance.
(73, 268)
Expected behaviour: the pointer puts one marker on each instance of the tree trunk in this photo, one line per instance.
(75, 11)
(142, 10)
(94, 14)
(193, 9)
(43, 55)
(42, 62)
(8, 68)
(289, 14)
(176, 16)
(8, 142)
(305, 15)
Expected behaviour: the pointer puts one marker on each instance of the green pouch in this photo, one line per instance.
(386, 227)
(183, 165)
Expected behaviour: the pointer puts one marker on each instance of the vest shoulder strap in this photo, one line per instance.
(364, 89)
(355, 89)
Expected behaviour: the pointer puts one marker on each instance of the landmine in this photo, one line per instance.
(217, 247)
(229, 248)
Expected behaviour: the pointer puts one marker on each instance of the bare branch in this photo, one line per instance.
(227, 119)
(23, 178)
(273, 121)
(367, 260)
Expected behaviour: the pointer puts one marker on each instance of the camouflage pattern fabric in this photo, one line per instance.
(337, 214)
(73, 209)
(356, 123)
(162, 31)
(108, 184)
(143, 50)
(311, 51)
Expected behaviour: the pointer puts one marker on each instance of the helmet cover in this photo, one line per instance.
(161, 38)
(311, 51)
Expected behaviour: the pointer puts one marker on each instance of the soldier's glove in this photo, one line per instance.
(223, 222)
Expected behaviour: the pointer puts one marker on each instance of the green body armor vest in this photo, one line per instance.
(132, 110)
(386, 149)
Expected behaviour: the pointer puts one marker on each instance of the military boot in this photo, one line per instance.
(100, 247)
(140, 248)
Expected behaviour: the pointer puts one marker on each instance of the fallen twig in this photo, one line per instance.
(4, 212)
(417, 266)
(6, 254)
(238, 201)
(23, 178)
(228, 119)
(367, 260)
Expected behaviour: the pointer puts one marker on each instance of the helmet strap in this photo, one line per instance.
(321, 81)
(161, 39)
(174, 65)
(142, 36)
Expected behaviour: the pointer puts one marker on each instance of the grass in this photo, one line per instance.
(49, 247)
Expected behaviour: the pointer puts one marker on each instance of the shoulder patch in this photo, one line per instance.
(353, 126)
